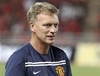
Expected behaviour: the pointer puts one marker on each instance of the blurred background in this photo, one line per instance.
(79, 32)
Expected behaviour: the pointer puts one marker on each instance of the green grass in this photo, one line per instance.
(2, 69)
(85, 71)
(76, 71)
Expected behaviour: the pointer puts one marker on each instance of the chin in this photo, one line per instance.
(50, 43)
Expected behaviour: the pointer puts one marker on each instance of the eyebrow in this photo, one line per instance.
(51, 24)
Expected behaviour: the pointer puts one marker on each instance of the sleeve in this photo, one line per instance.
(18, 70)
(15, 65)
(68, 67)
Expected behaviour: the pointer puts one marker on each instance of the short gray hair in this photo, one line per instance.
(41, 7)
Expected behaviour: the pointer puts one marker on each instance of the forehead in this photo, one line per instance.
(48, 17)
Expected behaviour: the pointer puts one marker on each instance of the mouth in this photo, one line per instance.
(51, 37)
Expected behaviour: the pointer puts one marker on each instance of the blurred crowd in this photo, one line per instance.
(13, 18)
(79, 21)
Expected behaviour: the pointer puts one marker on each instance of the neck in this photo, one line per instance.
(39, 46)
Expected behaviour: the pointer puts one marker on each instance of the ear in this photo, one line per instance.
(32, 27)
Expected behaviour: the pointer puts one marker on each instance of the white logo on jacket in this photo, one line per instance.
(36, 72)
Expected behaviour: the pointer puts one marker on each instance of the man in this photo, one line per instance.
(39, 57)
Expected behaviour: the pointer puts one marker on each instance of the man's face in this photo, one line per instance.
(46, 27)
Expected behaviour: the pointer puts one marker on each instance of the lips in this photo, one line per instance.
(51, 37)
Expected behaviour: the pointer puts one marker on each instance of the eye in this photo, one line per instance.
(55, 25)
(47, 25)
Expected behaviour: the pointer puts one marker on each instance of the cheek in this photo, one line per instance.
(41, 32)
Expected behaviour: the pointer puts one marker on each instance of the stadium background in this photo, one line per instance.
(79, 32)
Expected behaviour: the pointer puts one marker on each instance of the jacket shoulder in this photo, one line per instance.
(58, 52)
(18, 56)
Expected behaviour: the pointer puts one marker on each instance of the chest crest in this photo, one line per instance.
(60, 70)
